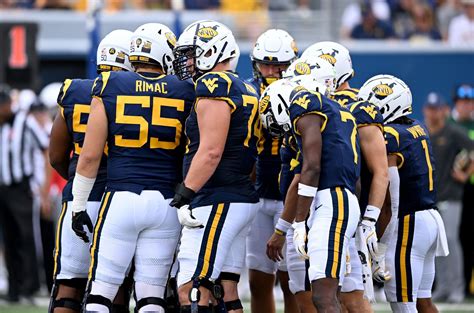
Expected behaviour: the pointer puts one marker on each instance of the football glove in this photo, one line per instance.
(299, 238)
(378, 265)
(368, 228)
(182, 197)
(79, 219)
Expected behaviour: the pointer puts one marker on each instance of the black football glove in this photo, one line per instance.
(79, 219)
(181, 200)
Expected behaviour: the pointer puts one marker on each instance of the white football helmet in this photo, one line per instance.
(49, 95)
(206, 43)
(273, 107)
(235, 60)
(275, 46)
(112, 53)
(390, 94)
(337, 55)
(318, 68)
(153, 43)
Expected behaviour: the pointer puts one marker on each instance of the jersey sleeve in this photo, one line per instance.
(392, 140)
(100, 83)
(63, 91)
(366, 114)
(217, 86)
(304, 103)
(345, 97)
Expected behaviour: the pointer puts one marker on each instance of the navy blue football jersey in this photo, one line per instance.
(231, 179)
(340, 160)
(146, 113)
(74, 100)
(268, 159)
(290, 163)
(365, 114)
(411, 143)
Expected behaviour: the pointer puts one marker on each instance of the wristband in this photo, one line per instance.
(81, 188)
(371, 213)
(282, 226)
(279, 232)
(307, 191)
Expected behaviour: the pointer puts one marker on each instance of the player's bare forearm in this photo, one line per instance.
(291, 200)
(373, 148)
(385, 215)
(214, 120)
(309, 127)
(202, 167)
(94, 142)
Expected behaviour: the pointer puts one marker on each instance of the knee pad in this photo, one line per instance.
(216, 291)
(229, 276)
(69, 303)
(233, 305)
(100, 300)
(200, 309)
(150, 301)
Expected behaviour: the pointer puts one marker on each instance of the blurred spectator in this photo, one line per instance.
(53, 4)
(371, 27)
(445, 12)
(285, 5)
(242, 5)
(21, 4)
(352, 15)
(449, 142)
(461, 28)
(425, 29)
(463, 115)
(201, 4)
(402, 20)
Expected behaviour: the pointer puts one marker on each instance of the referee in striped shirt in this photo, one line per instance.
(20, 137)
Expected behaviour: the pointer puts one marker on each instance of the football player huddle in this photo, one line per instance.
(180, 173)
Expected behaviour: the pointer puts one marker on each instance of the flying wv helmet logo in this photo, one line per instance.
(207, 33)
(302, 68)
(171, 38)
(211, 84)
(120, 58)
(330, 57)
(263, 106)
(302, 102)
(381, 91)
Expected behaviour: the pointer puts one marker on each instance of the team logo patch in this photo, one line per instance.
(302, 68)
(207, 33)
(211, 84)
(112, 50)
(331, 59)
(302, 102)
(146, 47)
(370, 109)
(381, 91)
(264, 104)
(138, 42)
(171, 38)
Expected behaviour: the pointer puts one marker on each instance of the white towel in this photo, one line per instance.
(442, 248)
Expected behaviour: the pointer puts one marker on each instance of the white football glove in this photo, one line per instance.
(378, 265)
(299, 238)
(186, 218)
(368, 228)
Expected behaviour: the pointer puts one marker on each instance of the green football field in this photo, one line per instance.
(382, 308)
